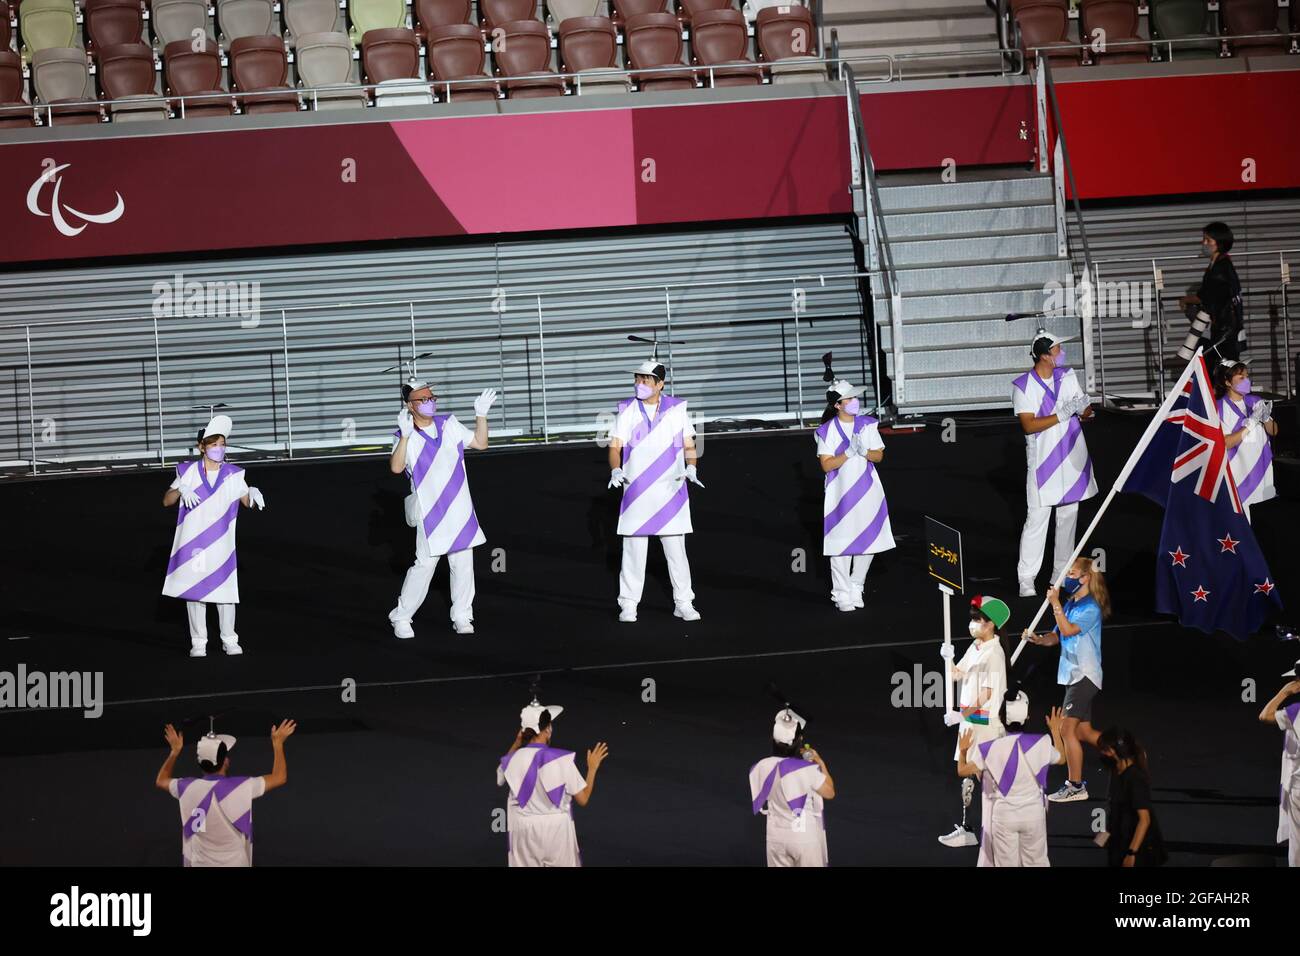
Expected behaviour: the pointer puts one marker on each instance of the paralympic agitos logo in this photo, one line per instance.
(60, 211)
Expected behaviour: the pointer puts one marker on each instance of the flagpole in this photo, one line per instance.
(1152, 427)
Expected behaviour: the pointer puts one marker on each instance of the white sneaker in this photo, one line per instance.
(1027, 589)
(686, 612)
(403, 629)
(231, 647)
(844, 606)
(959, 836)
(198, 650)
(462, 627)
(627, 615)
(857, 599)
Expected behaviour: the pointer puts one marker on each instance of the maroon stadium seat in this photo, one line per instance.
(1119, 21)
(785, 32)
(14, 111)
(190, 73)
(456, 53)
(5, 29)
(655, 40)
(1045, 23)
(1252, 16)
(260, 64)
(625, 9)
(497, 13)
(440, 13)
(113, 22)
(719, 39)
(588, 43)
(687, 9)
(526, 55)
(126, 76)
(390, 54)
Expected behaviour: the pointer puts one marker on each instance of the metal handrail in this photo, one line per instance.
(1169, 42)
(875, 213)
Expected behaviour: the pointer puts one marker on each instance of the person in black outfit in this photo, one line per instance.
(1134, 833)
(1219, 295)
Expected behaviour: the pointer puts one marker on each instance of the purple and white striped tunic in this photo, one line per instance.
(1015, 768)
(1251, 461)
(654, 498)
(855, 514)
(218, 812)
(788, 786)
(1288, 721)
(542, 780)
(435, 463)
(202, 566)
(1058, 456)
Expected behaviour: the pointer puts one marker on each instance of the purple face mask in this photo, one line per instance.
(643, 391)
(1060, 358)
(427, 408)
(1242, 387)
(852, 406)
(215, 453)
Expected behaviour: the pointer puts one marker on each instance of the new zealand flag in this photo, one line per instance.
(1209, 569)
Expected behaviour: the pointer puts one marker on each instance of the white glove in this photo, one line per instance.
(617, 479)
(1071, 407)
(189, 499)
(405, 423)
(484, 402)
(951, 718)
(946, 652)
(1262, 411)
(256, 500)
(692, 477)
(855, 445)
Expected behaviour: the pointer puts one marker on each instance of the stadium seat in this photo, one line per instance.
(787, 40)
(1183, 20)
(1118, 22)
(126, 75)
(625, 9)
(497, 13)
(589, 47)
(245, 18)
(1251, 16)
(1045, 24)
(62, 75)
(561, 10)
(440, 13)
(15, 112)
(191, 72)
(325, 60)
(687, 9)
(6, 33)
(390, 54)
(526, 55)
(260, 64)
(719, 39)
(367, 15)
(48, 24)
(456, 53)
(113, 22)
(302, 17)
(655, 40)
(176, 20)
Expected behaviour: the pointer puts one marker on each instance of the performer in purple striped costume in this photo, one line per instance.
(651, 457)
(217, 809)
(1047, 400)
(544, 783)
(202, 568)
(1013, 773)
(855, 515)
(1249, 428)
(1286, 717)
(791, 788)
(430, 448)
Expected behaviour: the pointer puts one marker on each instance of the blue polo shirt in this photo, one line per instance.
(1081, 654)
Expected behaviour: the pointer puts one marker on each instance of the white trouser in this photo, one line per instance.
(631, 575)
(1033, 539)
(1018, 834)
(788, 848)
(197, 612)
(543, 839)
(416, 585)
(1292, 798)
(848, 576)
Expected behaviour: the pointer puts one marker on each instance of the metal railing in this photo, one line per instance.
(563, 324)
(1102, 47)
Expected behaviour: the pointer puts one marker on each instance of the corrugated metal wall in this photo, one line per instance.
(1127, 356)
(97, 392)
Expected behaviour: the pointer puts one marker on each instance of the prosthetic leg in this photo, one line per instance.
(963, 835)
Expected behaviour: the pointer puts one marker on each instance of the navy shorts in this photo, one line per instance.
(1078, 699)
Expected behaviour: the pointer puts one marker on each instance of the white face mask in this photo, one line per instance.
(975, 628)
